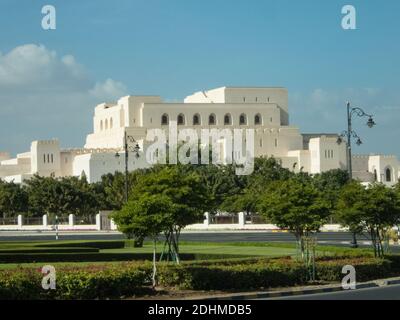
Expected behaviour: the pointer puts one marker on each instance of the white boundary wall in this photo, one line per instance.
(205, 226)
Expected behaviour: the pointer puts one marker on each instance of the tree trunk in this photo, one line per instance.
(175, 247)
(154, 263)
(372, 233)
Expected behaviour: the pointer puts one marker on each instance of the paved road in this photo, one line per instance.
(236, 236)
(380, 293)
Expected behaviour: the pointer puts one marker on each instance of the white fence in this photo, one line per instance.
(102, 222)
(241, 222)
(71, 223)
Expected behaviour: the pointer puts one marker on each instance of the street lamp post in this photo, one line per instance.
(349, 134)
(127, 147)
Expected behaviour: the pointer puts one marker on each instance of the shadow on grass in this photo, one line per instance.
(100, 257)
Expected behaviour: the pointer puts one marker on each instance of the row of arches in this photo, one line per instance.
(212, 119)
(107, 124)
(387, 176)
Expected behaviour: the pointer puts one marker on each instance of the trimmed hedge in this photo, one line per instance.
(236, 276)
(47, 250)
(94, 283)
(128, 279)
(90, 244)
(72, 255)
(266, 273)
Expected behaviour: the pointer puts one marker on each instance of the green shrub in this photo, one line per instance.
(90, 244)
(87, 283)
(265, 273)
(366, 269)
(261, 274)
(47, 250)
(128, 279)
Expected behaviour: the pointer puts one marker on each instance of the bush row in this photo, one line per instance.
(115, 244)
(74, 284)
(36, 250)
(267, 273)
(89, 255)
(128, 279)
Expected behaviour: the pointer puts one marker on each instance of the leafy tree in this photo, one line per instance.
(248, 197)
(185, 192)
(381, 213)
(266, 171)
(375, 209)
(330, 183)
(60, 196)
(110, 190)
(220, 183)
(13, 199)
(147, 216)
(350, 207)
(295, 205)
(245, 201)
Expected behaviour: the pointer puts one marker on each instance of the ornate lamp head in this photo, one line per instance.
(371, 123)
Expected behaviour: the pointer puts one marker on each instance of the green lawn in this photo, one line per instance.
(217, 249)
(200, 251)
(72, 253)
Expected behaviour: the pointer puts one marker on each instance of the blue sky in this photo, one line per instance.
(103, 49)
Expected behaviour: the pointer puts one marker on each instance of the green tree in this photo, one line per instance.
(220, 183)
(295, 205)
(146, 216)
(183, 189)
(13, 199)
(375, 209)
(381, 213)
(330, 183)
(350, 207)
(63, 196)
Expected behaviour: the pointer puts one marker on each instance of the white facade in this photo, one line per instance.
(263, 109)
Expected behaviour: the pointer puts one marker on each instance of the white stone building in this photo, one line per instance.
(263, 109)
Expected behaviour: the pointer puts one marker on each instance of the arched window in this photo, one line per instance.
(106, 124)
(242, 119)
(101, 125)
(388, 174)
(52, 158)
(181, 119)
(211, 120)
(227, 119)
(164, 119)
(196, 120)
(375, 175)
(111, 123)
(257, 119)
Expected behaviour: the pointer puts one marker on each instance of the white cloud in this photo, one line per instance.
(43, 95)
(109, 89)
